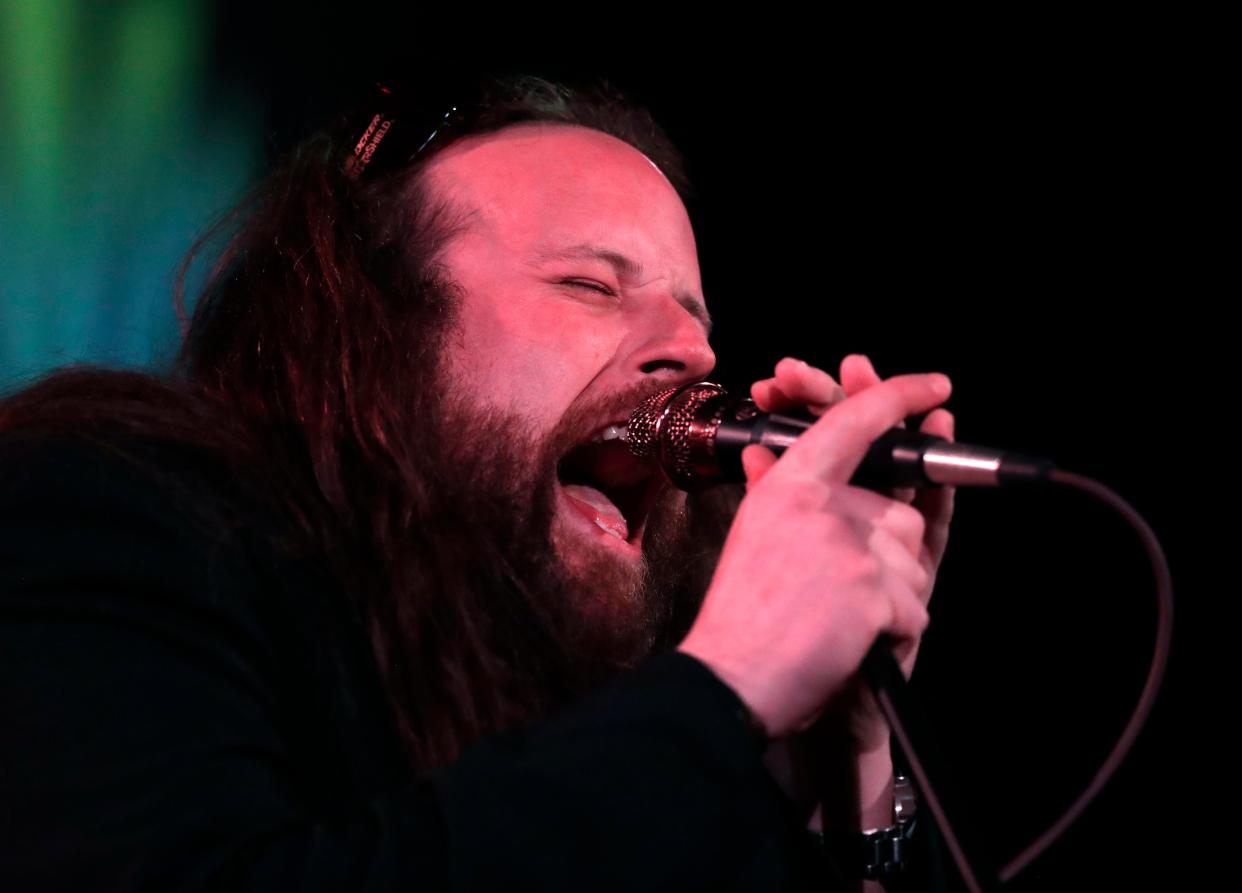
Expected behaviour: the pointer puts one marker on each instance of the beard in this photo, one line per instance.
(607, 612)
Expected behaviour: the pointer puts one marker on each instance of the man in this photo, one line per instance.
(415, 624)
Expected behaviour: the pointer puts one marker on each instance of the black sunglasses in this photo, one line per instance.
(404, 128)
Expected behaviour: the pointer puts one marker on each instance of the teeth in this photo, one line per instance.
(613, 530)
(612, 432)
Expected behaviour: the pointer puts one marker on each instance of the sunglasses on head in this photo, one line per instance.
(391, 131)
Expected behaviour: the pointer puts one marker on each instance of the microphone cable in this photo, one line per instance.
(691, 429)
(888, 683)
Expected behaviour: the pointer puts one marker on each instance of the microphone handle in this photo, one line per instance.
(895, 459)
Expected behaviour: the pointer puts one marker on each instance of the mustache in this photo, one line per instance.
(581, 419)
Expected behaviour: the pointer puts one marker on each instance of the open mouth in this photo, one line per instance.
(610, 486)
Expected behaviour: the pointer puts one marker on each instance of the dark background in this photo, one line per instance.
(1029, 206)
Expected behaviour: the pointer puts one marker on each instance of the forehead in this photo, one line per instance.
(542, 185)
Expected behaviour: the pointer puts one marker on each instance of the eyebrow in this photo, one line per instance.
(626, 268)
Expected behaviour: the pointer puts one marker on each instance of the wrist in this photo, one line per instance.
(741, 684)
(877, 852)
(858, 794)
(874, 773)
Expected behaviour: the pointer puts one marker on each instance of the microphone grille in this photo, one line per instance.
(662, 423)
(643, 432)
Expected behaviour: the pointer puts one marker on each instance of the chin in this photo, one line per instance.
(618, 589)
(599, 562)
(605, 578)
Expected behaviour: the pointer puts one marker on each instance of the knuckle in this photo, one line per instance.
(878, 614)
(803, 494)
(822, 528)
(909, 515)
(863, 567)
(908, 518)
(922, 618)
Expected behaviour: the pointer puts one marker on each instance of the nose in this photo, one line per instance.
(672, 342)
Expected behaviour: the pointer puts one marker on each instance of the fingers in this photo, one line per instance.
(814, 568)
(909, 621)
(899, 560)
(939, 422)
(936, 503)
(756, 460)
(797, 384)
(903, 523)
(857, 373)
(833, 447)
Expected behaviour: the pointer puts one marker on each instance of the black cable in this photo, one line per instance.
(889, 684)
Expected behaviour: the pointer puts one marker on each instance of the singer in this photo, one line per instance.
(368, 593)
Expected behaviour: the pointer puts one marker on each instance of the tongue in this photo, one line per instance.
(597, 507)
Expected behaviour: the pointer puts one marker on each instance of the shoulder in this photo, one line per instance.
(100, 465)
(106, 482)
(133, 530)
(70, 486)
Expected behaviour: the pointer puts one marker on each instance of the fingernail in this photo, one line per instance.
(941, 384)
(845, 359)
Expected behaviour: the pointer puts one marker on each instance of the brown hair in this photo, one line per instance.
(306, 365)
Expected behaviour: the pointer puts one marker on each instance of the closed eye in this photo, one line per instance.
(593, 286)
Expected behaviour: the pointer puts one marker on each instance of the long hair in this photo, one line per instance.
(307, 364)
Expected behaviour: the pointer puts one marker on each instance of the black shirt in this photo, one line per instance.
(183, 709)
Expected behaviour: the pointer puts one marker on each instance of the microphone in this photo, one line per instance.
(696, 433)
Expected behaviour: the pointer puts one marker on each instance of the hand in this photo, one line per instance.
(797, 384)
(813, 569)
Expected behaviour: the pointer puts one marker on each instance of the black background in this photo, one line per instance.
(1030, 206)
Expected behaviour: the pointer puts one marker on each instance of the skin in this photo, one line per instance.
(796, 384)
(548, 339)
(813, 569)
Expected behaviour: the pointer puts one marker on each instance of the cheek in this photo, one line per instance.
(531, 354)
